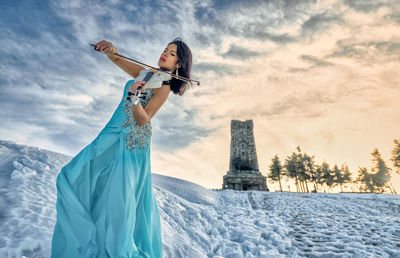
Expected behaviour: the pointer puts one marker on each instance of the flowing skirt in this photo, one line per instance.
(105, 203)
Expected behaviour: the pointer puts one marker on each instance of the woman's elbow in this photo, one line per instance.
(142, 122)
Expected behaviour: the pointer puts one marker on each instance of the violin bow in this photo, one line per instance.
(190, 81)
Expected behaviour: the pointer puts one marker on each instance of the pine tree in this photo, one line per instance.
(327, 174)
(276, 170)
(301, 170)
(346, 174)
(381, 173)
(319, 178)
(366, 178)
(311, 170)
(337, 177)
(290, 168)
(396, 156)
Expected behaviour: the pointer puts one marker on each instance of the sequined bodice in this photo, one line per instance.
(138, 136)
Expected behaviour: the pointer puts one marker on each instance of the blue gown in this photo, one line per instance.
(105, 202)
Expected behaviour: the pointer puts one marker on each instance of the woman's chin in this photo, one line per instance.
(163, 66)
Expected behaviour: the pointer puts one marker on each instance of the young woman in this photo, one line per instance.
(105, 202)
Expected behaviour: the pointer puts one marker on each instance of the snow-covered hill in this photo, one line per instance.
(198, 222)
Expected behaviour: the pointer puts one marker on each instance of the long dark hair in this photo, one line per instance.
(185, 60)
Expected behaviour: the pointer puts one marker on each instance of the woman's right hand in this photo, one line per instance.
(107, 48)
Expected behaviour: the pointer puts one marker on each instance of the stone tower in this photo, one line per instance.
(243, 171)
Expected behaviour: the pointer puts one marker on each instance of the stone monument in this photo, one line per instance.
(243, 171)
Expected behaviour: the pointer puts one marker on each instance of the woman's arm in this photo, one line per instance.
(160, 95)
(144, 115)
(129, 67)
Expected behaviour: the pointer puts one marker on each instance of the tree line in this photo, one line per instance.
(303, 169)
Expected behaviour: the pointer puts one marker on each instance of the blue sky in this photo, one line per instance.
(319, 74)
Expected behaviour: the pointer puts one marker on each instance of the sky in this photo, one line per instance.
(322, 75)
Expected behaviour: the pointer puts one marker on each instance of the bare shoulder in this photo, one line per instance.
(163, 90)
(136, 73)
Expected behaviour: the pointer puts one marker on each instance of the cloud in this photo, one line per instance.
(307, 72)
(219, 69)
(251, 19)
(316, 63)
(364, 5)
(318, 22)
(368, 51)
(239, 53)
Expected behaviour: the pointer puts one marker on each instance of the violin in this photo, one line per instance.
(154, 77)
(159, 70)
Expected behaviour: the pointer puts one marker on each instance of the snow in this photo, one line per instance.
(199, 222)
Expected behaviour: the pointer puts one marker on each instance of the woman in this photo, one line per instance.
(105, 202)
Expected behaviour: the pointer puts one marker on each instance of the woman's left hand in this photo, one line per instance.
(134, 86)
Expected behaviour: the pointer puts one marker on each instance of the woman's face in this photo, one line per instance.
(169, 58)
